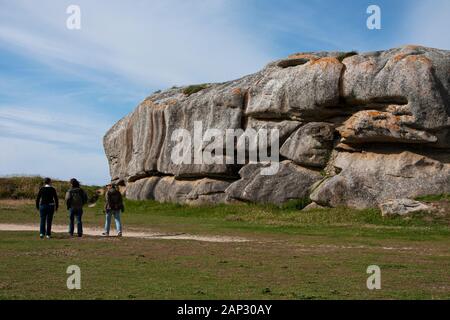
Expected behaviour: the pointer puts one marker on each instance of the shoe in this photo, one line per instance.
(80, 235)
(119, 234)
(71, 234)
(105, 234)
(41, 236)
(48, 237)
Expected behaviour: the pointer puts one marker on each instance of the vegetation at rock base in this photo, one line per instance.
(434, 197)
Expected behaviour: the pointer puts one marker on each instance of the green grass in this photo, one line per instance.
(27, 187)
(438, 197)
(194, 88)
(319, 254)
(252, 218)
(163, 269)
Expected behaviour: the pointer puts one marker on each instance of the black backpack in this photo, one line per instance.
(76, 199)
(115, 199)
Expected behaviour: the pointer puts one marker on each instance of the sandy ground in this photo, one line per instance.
(128, 234)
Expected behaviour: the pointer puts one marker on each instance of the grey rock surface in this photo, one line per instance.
(403, 207)
(376, 126)
(377, 123)
(291, 182)
(413, 76)
(169, 189)
(366, 179)
(310, 145)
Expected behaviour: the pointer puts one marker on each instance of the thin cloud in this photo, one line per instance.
(154, 43)
(69, 129)
(428, 23)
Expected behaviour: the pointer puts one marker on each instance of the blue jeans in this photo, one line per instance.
(78, 213)
(116, 214)
(46, 213)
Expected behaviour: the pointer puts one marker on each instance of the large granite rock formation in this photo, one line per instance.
(354, 130)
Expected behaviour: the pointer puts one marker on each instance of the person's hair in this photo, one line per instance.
(75, 183)
(113, 185)
(47, 181)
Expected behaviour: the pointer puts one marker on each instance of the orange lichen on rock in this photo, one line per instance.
(303, 56)
(421, 59)
(374, 113)
(236, 91)
(399, 57)
(171, 102)
(151, 104)
(324, 62)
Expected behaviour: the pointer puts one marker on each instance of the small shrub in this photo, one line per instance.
(344, 55)
(296, 204)
(194, 89)
(27, 187)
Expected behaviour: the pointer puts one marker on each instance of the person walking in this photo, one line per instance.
(47, 204)
(76, 198)
(113, 207)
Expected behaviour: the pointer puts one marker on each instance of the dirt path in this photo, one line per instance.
(128, 234)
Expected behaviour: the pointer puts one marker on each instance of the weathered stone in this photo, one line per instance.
(217, 108)
(207, 191)
(413, 76)
(310, 145)
(256, 130)
(403, 207)
(397, 97)
(200, 191)
(141, 143)
(308, 91)
(285, 127)
(169, 189)
(142, 189)
(291, 182)
(367, 179)
(312, 206)
(376, 126)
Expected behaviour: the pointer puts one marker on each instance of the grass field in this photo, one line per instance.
(321, 254)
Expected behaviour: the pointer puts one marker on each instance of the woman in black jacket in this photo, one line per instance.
(47, 204)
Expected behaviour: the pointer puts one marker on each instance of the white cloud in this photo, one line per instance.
(122, 50)
(39, 124)
(153, 43)
(46, 142)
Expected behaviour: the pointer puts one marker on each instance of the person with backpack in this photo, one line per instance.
(113, 207)
(47, 205)
(76, 198)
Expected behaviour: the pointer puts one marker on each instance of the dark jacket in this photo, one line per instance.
(114, 200)
(69, 197)
(47, 196)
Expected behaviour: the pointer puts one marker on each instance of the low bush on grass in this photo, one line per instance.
(27, 187)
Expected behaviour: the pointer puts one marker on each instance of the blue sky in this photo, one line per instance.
(61, 89)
